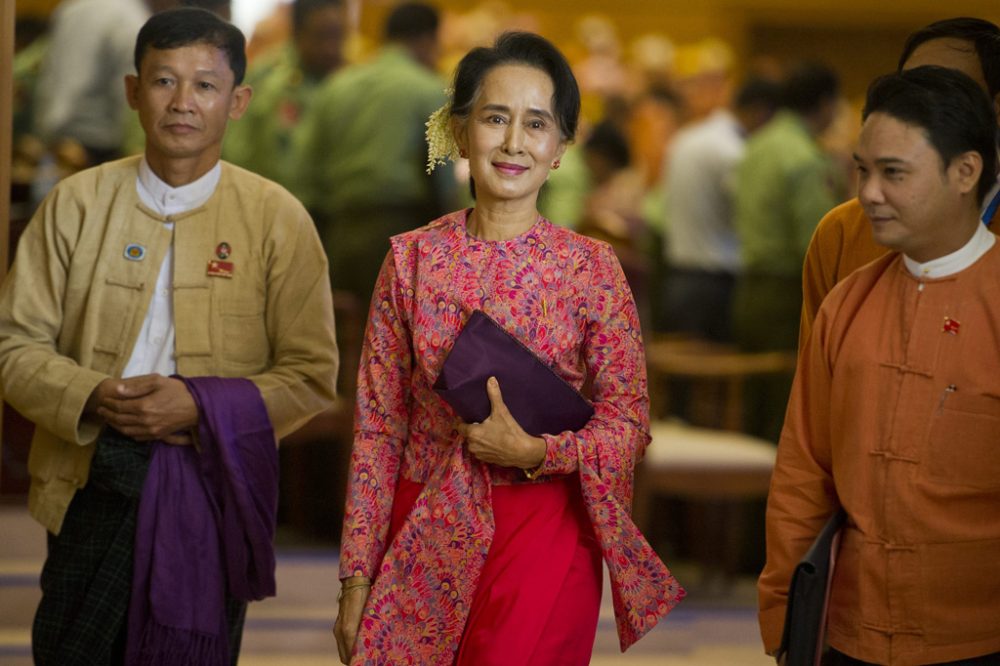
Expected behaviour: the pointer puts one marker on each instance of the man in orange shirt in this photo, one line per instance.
(843, 240)
(895, 411)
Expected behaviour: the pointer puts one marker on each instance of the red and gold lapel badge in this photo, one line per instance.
(219, 267)
(951, 326)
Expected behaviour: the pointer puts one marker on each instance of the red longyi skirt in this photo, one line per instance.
(539, 594)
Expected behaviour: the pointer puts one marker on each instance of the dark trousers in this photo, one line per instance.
(836, 658)
(698, 303)
(87, 578)
(356, 241)
(766, 314)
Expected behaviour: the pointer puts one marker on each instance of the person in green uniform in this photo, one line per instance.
(285, 87)
(361, 155)
(785, 184)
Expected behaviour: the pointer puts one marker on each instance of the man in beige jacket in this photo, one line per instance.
(169, 263)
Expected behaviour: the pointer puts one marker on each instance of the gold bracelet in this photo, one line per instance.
(348, 587)
(533, 473)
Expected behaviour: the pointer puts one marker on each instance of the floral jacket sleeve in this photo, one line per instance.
(381, 420)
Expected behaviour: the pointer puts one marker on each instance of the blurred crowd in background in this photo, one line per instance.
(707, 175)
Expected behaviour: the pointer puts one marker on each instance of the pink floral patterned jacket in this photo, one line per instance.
(565, 297)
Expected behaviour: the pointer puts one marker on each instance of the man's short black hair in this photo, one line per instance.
(952, 110)
(186, 26)
(981, 34)
(410, 21)
(610, 142)
(758, 91)
(808, 86)
(301, 9)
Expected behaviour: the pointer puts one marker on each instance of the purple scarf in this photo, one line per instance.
(205, 525)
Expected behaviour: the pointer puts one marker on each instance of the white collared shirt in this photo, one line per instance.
(79, 90)
(982, 240)
(154, 349)
(700, 175)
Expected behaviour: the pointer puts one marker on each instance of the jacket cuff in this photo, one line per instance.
(560, 455)
(71, 425)
(355, 567)
(772, 625)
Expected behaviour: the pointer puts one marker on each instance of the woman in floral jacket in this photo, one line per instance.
(479, 543)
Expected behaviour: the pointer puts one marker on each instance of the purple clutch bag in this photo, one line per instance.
(540, 401)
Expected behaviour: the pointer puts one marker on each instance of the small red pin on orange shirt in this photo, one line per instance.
(218, 268)
(951, 326)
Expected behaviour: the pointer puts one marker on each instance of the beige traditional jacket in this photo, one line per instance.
(75, 299)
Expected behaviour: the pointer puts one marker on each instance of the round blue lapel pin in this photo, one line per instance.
(135, 252)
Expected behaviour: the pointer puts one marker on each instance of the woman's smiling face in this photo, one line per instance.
(511, 136)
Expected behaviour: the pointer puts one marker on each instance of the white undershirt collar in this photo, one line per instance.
(154, 347)
(166, 200)
(982, 240)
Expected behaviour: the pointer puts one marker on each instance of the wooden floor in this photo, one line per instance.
(293, 629)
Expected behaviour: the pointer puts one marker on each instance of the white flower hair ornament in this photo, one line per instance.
(441, 144)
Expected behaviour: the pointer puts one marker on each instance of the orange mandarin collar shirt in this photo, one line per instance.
(895, 415)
